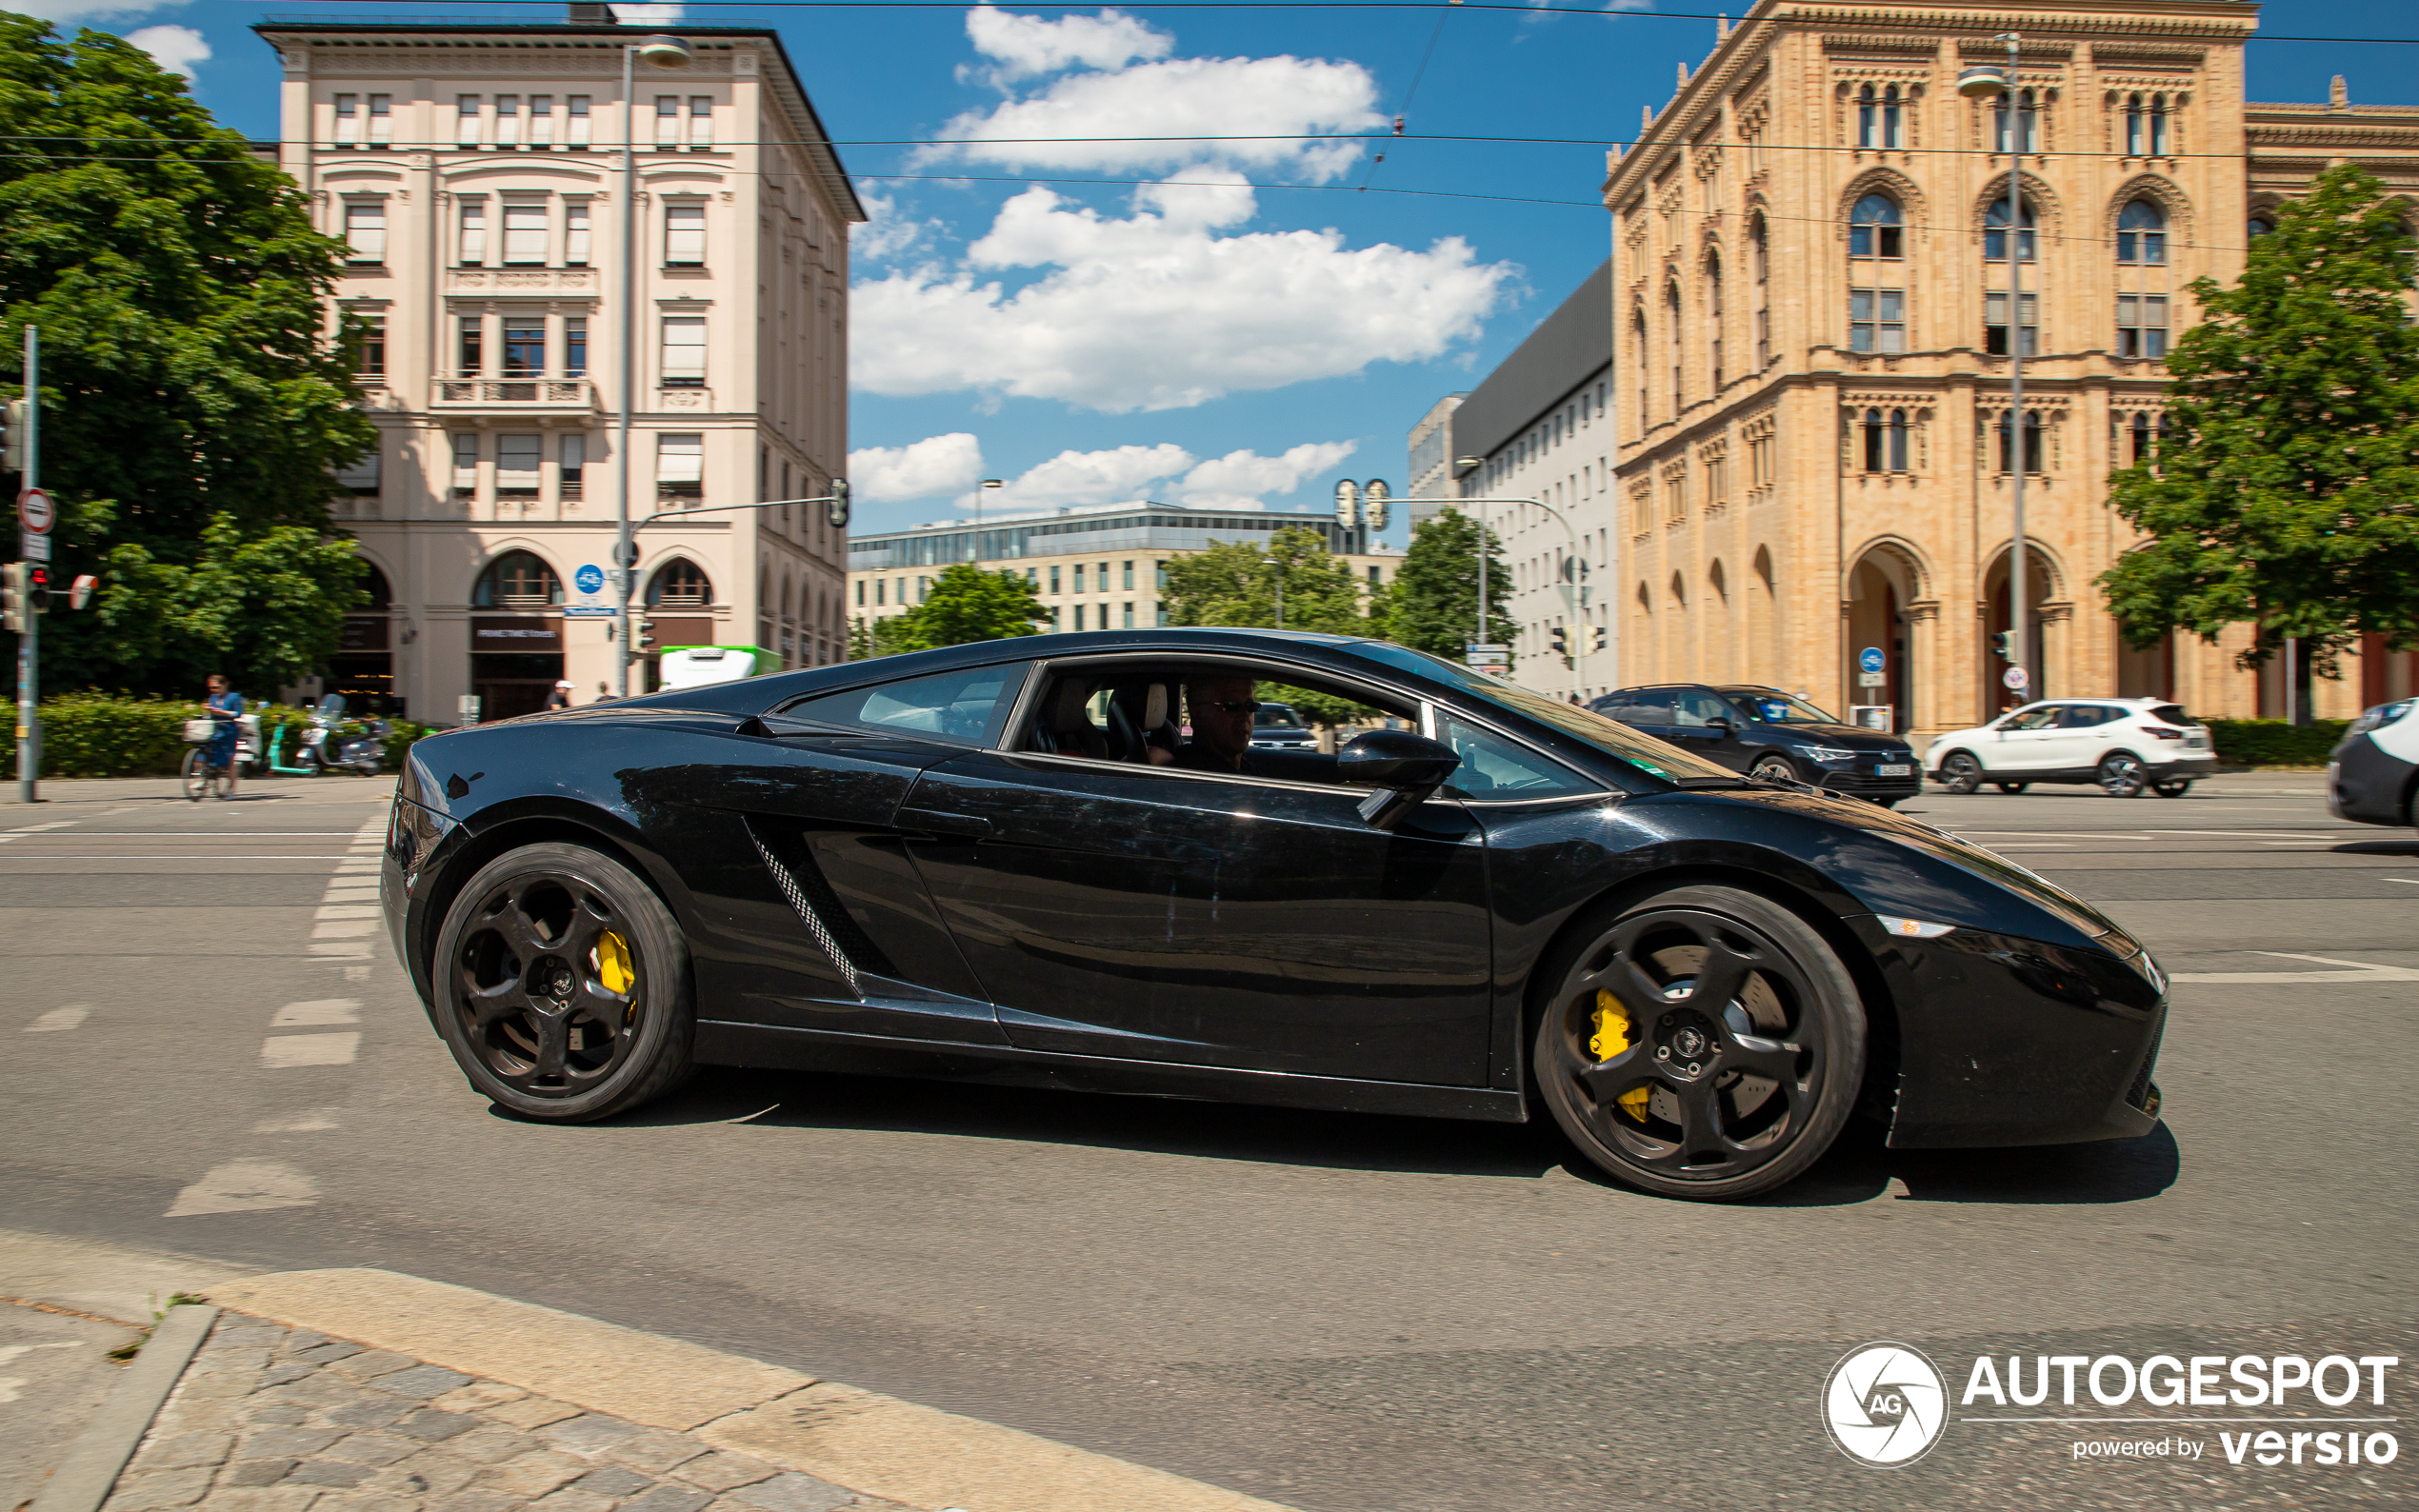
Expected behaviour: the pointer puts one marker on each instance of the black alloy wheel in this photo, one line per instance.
(563, 985)
(1772, 768)
(2172, 786)
(1961, 773)
(2121, 775)
(1704, 1043)
(2012, 789)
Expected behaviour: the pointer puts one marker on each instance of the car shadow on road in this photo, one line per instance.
(1861, 1167)
(1162, 1126)
(2377, 847)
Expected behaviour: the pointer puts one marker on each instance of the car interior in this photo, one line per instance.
(1136, 715)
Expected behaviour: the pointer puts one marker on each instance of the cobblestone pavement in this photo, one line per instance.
(268, 1418)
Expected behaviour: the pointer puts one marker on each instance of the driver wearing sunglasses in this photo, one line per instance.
(1220, 708)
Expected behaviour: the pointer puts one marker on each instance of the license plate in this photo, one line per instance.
(2196, 741)
(1901, 770)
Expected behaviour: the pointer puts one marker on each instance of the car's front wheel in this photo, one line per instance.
(1776, 770)
(1703, 1043)
(1960, 772)
(2121, 775)
(563, 987)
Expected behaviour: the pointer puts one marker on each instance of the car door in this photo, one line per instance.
(1702, 721)
(1149, 913)
(2024, 742)
(1647, 709)
(2082, 737)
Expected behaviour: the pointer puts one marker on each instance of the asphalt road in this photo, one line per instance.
(1334, 1312)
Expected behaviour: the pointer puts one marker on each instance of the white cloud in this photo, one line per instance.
(648, 15)
(1277, 99)
(88, 10)
(888, 235)
(936, 464)
(1154, 311)
(173, 48)
(1025, 46)
(1237, 480)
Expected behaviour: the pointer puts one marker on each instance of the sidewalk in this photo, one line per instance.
(370, 1391)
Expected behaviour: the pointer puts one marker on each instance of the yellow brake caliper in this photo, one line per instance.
(613, 966)
(1610, 1039)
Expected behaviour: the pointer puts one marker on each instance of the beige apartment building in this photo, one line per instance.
(1096, 566)
(475, 172)
(1812, 315)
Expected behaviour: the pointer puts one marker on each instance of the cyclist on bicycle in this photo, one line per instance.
(225, 708)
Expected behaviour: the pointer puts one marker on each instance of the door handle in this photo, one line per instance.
(969, 827)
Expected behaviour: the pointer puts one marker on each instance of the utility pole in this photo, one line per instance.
(30, 640)
(1976, 82)
(660, 52)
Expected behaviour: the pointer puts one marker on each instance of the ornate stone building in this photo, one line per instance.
(1812, 321)
(476, 173)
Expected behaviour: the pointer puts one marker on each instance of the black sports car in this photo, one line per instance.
(1000, 862)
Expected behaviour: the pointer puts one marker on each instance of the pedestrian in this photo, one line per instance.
(561, 696)
(225, 708)
(603, 693)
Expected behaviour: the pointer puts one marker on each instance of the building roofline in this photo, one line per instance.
(1082, 511)
(814, 138)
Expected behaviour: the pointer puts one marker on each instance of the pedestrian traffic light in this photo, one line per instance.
(37, 589)
(644, 634)
(19, 422)
(2005, 645)
(12, 607)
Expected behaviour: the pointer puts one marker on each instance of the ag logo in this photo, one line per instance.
(1885, 1404)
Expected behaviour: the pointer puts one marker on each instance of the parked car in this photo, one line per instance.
(964, 863)
(2124, 745)
(699, 665)
(1764, 732)
(2372, 774)
(1276, 727)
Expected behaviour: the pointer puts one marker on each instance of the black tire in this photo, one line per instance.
(523, 982)
(2012, 789)
(2172, 786)
(1802, 1024)
(2120, 775)
(1774, 768)
(1960, 772)
(195, 775)
(311, 763)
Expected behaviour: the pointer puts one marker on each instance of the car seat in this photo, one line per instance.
(1138, 720)
(1063, 726)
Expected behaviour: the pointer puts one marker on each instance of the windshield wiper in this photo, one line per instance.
(1705, 783)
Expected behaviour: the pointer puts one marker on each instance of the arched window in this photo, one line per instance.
(2158, 126)
(1893, 129)
(2142, 233)
(679, 584)
(2135, 137)
(1638, 341)
(517, 580)
(1885, 441)
(1875, 229)
(2260, 225)
(2027, 123)
(1672, 313)
(1994, 232)
(1762, 253)
(2141, 439)
(1713, 317)
(2031, 442)
(373, 583)
(1869, 124)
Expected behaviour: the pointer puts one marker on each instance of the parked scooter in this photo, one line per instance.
(329, 744)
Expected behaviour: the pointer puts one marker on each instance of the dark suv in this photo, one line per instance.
(1276, 727)
(1764, 732)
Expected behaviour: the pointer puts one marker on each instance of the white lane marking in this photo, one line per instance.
(2359, 971)
(318, 1010)
(345, 910)
(343, 929)
(316, 1121)
(2255, 834)
(182, 855)
(358, 950)
(279, 1052)
(2060, 834)
(245, 1186)
(190, 834)
(58, 1018)
(35, 830)
(2046, 844)
(2412, 881)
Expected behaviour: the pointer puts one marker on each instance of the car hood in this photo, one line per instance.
(1847, 737)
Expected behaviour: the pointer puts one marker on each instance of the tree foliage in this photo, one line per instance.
(967, 603)
(194, 407)
(2287, 494)
(1434, 604)
(1243, 583)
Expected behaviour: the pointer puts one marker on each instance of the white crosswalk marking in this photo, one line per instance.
(317, 1121)
(59, 1019)
(245, 1186)
(319, 1010)
(347, 910)
(281, 1052)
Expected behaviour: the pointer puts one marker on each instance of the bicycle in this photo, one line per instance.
(200, 778)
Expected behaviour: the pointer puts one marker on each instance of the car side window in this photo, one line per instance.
(955, 705)
(2034, 719)
(1494, 767)
(1646, 709)
(1694, 709)
(2083, 716)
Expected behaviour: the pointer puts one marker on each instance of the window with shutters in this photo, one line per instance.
(575, 230)
(525, 235)
(680, 463)
(366, 233)
(683, 236)
(684, 352)
(577, 123)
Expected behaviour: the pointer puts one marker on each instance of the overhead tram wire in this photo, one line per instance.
(1403, 106)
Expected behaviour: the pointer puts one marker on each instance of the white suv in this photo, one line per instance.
(2124, 745)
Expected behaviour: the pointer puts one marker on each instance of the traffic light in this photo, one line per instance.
(1562, 644)
(642, 634)
(37, 588)
(19, 422)
(2003, 644)
(1597, 643)
(838, 512)
(12, 596)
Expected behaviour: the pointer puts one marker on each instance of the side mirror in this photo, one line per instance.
(1406, 768)
(1719, 726)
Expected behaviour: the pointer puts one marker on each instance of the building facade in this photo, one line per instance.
(1812, 315)
(1429, 457)
(1539, 428)
(1096, 566)
(476, 173)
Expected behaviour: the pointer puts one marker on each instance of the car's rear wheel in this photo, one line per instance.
(2012, 787)
(1703, 1043)
(563, 985)
(2172, 786)
(1776, 770)
(1960, 772)
(2121, 775)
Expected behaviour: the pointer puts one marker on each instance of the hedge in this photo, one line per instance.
(2274, 742)
(114, 735)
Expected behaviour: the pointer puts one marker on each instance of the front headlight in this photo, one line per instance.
(2383, 715)
(1830, 753)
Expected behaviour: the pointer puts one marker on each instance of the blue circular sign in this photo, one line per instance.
(1870, 659)
(590, 579)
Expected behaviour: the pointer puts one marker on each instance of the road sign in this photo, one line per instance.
(588, 598)
(1869, 679)
(1487, 658)
(1870, 660)
(467, 706)
(1485, 645)
(2016, 678)
(37, 547)
(35, 512)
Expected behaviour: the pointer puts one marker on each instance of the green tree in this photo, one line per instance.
(2287, 494)
(1434, 605)
(1239, 582)
(967, 603)
(194, 405)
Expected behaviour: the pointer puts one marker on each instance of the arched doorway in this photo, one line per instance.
(1881, 585)
(1998, 615)
(516, 635)
(680, 601)
(363, 668)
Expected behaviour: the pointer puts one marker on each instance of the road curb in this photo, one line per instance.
(83, 1480)
(871, 1443)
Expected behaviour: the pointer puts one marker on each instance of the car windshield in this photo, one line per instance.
(1276, 714)
(1770, 708)
(1607, 735)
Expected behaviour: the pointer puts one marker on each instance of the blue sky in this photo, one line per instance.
(1198, 341)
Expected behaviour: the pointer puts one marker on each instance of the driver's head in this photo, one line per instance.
(1222, 708)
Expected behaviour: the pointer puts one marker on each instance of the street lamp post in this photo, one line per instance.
(658, 52)
(1977, 83)
(989, 484)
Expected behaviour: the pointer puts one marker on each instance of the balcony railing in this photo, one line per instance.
(519, 393)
